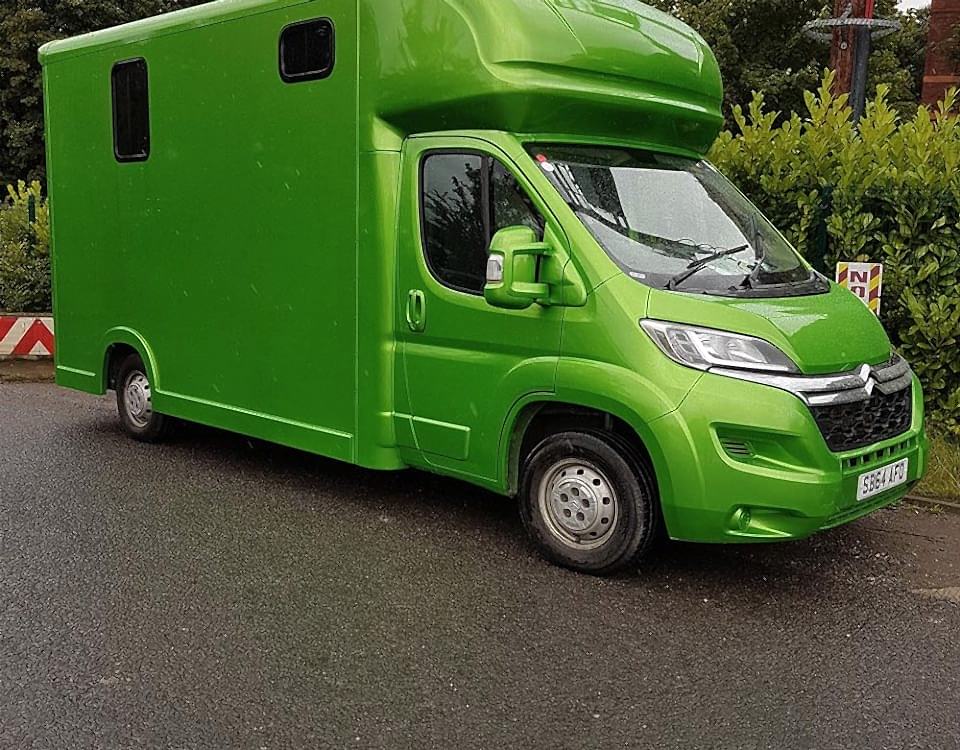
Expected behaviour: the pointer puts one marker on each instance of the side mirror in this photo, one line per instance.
(512, 269)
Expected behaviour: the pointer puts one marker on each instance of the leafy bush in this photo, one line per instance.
(886, 190)
(24, 250)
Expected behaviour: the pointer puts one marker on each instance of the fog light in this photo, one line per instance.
(742, 519)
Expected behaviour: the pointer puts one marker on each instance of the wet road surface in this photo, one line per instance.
(218, 592)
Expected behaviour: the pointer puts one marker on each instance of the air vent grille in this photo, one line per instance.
(736, 448)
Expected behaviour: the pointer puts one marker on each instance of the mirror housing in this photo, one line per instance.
(522, 271)
(512, 269)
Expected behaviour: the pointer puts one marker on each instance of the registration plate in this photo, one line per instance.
(882, 479)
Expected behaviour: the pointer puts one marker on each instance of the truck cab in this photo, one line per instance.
(490, 246)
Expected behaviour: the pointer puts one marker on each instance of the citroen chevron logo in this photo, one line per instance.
(866, 375)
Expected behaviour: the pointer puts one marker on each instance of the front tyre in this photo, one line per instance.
(135, 403)
(588, 502)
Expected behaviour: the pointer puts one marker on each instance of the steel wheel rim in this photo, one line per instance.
(137, 400)
(578, 503)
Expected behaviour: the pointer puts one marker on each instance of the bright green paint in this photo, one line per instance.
(473, 360)
(266, 260)
(811, 334)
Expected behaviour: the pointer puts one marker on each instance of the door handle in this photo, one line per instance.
(416, 311)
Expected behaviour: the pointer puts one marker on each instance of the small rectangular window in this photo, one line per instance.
(307, 51)
(131, 111)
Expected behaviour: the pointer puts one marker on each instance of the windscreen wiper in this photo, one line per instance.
(753, 278)
(698, 265)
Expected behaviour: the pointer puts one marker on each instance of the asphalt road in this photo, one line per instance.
(215, 592)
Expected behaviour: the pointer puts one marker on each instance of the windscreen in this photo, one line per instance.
(675, 222)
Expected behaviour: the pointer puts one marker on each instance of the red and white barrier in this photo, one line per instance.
(26, 336)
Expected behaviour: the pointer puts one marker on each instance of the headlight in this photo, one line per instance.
(704, 348)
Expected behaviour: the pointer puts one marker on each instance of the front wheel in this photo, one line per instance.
(135, 403)
(588, 502)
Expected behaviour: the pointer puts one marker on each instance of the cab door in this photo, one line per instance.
(463, 363)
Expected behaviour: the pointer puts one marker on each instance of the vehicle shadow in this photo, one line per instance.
(762, 568)
(371, 489)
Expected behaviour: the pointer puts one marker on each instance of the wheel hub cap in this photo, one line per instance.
(137, 399)
(579, 503)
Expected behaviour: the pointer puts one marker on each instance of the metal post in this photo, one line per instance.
(851, 32)
(858, 87)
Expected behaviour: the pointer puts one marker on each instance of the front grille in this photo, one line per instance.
(853, 425)
(861, 460)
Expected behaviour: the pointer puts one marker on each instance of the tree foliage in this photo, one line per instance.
(760, 46)
(953, 46)
(898, 61)
(25, 25)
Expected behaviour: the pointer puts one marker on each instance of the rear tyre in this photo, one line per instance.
(588, 503)
(135, 403)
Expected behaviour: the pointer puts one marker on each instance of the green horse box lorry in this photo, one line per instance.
(475, 238)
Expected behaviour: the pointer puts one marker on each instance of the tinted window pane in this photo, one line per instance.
(131, 111)
(306, 51)
(511, 205)
(454, 227)
(467, 198)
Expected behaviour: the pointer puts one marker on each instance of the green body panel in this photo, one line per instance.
(822, 334)
(464, 370)
(215, 252)
(792, 484)
(556, 68)
(266, 260)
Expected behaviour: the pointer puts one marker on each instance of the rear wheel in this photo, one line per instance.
(135, 402)
(588, 502)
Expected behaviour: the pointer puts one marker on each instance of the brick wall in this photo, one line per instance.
(941, 72)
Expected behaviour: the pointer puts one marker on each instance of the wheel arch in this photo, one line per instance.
(538, 417)
(118, 343)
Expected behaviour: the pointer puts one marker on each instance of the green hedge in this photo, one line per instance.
(886, 191)
(24, 250)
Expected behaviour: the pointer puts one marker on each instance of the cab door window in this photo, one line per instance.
(466, 198)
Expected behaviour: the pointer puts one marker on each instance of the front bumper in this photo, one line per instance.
(745, 462)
